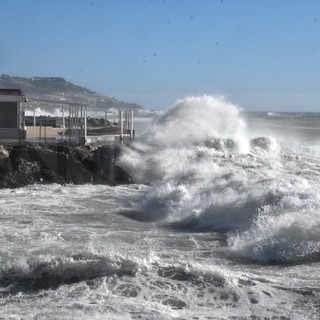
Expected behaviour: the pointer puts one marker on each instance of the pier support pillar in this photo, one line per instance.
(121, 126)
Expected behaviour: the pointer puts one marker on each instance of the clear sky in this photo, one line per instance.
(260, 54)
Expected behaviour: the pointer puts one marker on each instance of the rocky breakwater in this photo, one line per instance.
(24, 164)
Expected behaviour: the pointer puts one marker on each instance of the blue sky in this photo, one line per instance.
(263, 55)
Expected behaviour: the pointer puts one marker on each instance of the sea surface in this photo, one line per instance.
(222, 223)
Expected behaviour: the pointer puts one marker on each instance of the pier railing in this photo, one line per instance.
(74, 128)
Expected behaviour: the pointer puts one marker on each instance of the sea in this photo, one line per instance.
(222, 222)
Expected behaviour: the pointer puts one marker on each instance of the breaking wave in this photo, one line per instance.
(159, 287)
(208, 172)
(50, 273)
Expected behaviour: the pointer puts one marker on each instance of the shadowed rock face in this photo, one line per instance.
(24, 164)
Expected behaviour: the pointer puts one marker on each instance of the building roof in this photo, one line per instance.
(11, 92)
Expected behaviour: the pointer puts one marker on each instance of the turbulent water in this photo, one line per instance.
(222, 223)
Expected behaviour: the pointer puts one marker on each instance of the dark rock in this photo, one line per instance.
(24, 164)
(19, 152)
(77, 173)
(50, 160)
(105, 159)
(5, 165)
(51, 176)
(120, 176)
(14, 179)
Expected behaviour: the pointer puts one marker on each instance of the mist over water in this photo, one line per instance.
(222, 223)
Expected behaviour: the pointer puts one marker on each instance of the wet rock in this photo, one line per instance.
(77, 172)
(50, 176)
(24, 164)
(120, 176)
(5, 163)
(106, 168)
(14, 179)
(50, 160)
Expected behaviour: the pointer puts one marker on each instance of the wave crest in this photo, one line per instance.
(196, 118)
(34, 275)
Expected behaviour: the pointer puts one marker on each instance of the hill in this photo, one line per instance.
(44, 92)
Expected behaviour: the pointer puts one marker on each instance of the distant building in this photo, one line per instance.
(12, 115)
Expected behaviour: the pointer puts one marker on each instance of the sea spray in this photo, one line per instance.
(195, 119)
(196, 127)
(196, 158)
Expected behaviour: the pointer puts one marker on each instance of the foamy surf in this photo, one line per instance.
(213, 174)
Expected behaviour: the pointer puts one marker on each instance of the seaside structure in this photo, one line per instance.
(121, 132)
(72, 127)
(12, 115)
(69, 128)
(76, 127)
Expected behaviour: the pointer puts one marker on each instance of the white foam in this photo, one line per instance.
(193, 119)
(287, 229)
(201, 178)
(119, 268)
(53, 112)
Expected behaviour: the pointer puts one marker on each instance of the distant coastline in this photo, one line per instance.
(45, 92)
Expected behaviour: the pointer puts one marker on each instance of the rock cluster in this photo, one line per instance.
(24, 164)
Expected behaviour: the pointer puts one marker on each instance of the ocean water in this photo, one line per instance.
(222, 223)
